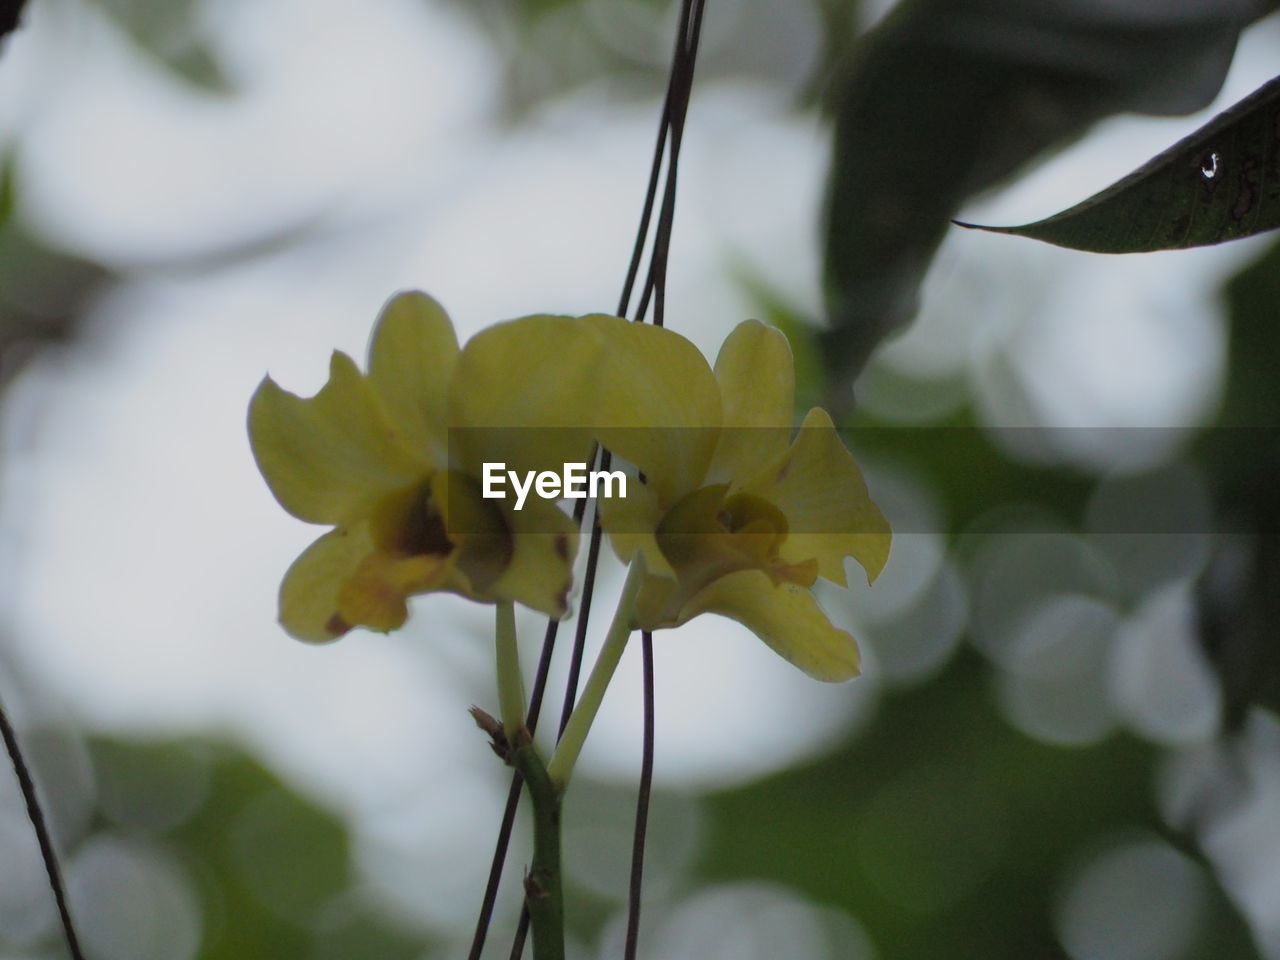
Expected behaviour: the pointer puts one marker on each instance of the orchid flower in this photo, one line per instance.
(735, 517)
(391, 460)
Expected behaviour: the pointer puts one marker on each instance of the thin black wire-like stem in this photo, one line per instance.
(47, 853)
(500, 847)
(522, 934)
(670, 128)
(646, 213)
(642, 803)
(679, 90)
(678, 95)
(580, 633)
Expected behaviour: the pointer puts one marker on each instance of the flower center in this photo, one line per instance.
(706, 535)
(438, 534)
(408, 524)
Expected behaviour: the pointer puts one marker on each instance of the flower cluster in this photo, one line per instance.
(734, 514)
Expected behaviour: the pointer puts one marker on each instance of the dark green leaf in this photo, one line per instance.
(947, 98)
(10, 16)
(1221, 183)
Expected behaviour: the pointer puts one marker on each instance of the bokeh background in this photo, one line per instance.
(1065, 743)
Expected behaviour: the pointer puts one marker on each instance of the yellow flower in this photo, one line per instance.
(392, 459)
(736, 517)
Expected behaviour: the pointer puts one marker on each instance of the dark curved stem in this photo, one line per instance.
(580, 630)
(642, 803)
(47, 853)
(670, 129)
(678, 94)
(676, 108)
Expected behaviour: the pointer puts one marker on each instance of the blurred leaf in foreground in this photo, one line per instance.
(10, 16)
(949, 97)
(1221, 183)
(44, 292)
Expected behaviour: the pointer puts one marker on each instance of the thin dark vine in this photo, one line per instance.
(667, 146)
(642, 803)
(47, 852)
(678, 93)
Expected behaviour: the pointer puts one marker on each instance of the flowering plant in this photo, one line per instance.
(730, 514)
(370, 455)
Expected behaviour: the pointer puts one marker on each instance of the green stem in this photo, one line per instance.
(543, 893)
(510, 679)
(584, 713)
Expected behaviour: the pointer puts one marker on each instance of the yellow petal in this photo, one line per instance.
(330, 458)
(786, 617)
(630, 522)
(524, 393)
(819, 488)
(411, 359)
(756, 375)
(343, 581)
(659, 405)
(376, 594)
(309, 593)
(540, 573)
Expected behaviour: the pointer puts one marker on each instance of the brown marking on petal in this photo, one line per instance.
(562, 546)
(422, 530)
(336, 626)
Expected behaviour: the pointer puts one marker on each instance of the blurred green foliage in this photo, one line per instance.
(945, 831)
(272, 869)
(1240, 605)
(947, 98)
